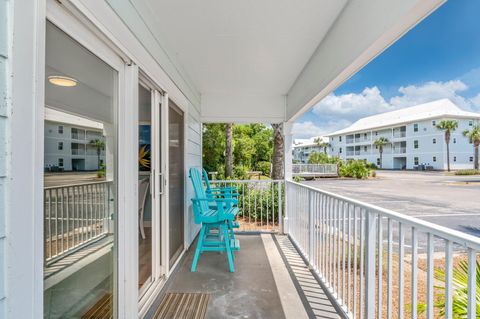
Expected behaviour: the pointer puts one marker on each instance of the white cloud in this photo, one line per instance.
(430, 91)
(352, 105)
(339, 111)
(308, 129)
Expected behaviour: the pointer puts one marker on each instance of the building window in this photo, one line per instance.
(471, 159)
(60, 129)
(376, 133)
(415, 160)
(365, 148)
(470, 123)
(415, 144)
(365, 135)
(60, 146)
(454, 158)
(378, 162)
(340, 150)
(434, 158)
(60, 162)
(434, 123)
(434, 141)
(415, 127)
(454, 140)
(340, 138)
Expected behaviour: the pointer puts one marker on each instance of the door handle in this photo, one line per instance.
(162, 183)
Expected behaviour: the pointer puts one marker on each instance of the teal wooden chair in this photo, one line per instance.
(213, 219)
(227, 192)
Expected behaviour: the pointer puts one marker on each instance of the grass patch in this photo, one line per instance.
(467, 172)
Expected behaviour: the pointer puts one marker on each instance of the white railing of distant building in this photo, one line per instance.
(399, 134)
(350, 244)
(78, 151)
(74, 216)
(260, 202)
(320, 169)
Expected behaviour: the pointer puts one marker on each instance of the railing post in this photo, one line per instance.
(311, 228)
(370, 265)
(281, 227)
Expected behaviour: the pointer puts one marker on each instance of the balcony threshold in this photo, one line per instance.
(271, 280)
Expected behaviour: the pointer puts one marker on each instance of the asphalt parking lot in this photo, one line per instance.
(447, 200)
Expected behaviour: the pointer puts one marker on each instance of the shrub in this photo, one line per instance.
(467, 172)
(371, 166)
(354, 168)
(297, 179)
(321, 158)
(264, 167)
(240, 172)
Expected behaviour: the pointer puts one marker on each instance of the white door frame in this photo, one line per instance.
(76, 29)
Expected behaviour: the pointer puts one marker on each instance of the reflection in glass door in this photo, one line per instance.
(80, 179)
(150, 194)
(176, 182)
(145, 198)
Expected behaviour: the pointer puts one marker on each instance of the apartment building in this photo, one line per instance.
(413, 137)
(68, 142)
(302, 148)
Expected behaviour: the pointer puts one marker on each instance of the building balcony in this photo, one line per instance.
(78, 151)
(399, 150)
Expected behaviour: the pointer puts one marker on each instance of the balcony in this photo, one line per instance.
(399, 134)
(78, 151)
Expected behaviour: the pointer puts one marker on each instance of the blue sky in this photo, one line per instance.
(439, 58)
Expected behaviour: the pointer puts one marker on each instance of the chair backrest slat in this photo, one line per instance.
(207, 181)
(196, 179)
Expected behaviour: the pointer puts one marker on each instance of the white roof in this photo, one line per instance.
(443, 108)
(304, 142)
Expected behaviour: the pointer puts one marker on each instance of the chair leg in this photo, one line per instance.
(230, 226)
(140, 223)
(198, 250)
(228, 249)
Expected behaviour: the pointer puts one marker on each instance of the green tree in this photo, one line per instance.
(380, 143)
(100, 146)
(473, 136)
(321, 143)
(214, 148)
(229, 150)
(448, 126)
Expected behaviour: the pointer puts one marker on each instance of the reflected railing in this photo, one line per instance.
(74, 216)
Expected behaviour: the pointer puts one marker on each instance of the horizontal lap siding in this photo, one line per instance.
(4, 153)
(193, 159)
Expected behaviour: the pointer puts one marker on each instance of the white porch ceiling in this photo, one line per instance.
(269, 60)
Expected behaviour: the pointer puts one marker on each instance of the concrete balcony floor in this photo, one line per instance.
(271, 280)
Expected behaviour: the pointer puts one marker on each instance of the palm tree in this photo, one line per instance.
(322, 144)
(100, 146)
(474, 137)
(278, 152)
(380, 143)
(229, 150)
(448, 126)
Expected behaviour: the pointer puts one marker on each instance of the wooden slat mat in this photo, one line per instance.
(103, 309)
(183, 306)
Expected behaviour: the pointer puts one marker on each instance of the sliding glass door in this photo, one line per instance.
(80, 179)
(151, 201)
(176, 181)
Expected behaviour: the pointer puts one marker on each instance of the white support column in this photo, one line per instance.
(288, 140)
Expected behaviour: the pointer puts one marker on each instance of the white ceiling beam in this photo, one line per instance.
(363, 30)
(242, 108)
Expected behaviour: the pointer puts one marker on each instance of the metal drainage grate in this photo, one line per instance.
(183, 306)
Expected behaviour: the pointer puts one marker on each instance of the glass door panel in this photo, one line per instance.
(176, 182)
(145, 198)
(80, 180)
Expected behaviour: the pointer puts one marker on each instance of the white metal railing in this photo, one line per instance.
(320, 169)
(350, 153)
(399, 150)
(74, 216)
(399, 134)
(368, 256)
(260, 202)
(78, 151)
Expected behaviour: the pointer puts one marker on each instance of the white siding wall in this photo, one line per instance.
(193, 159)
(4, 140)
